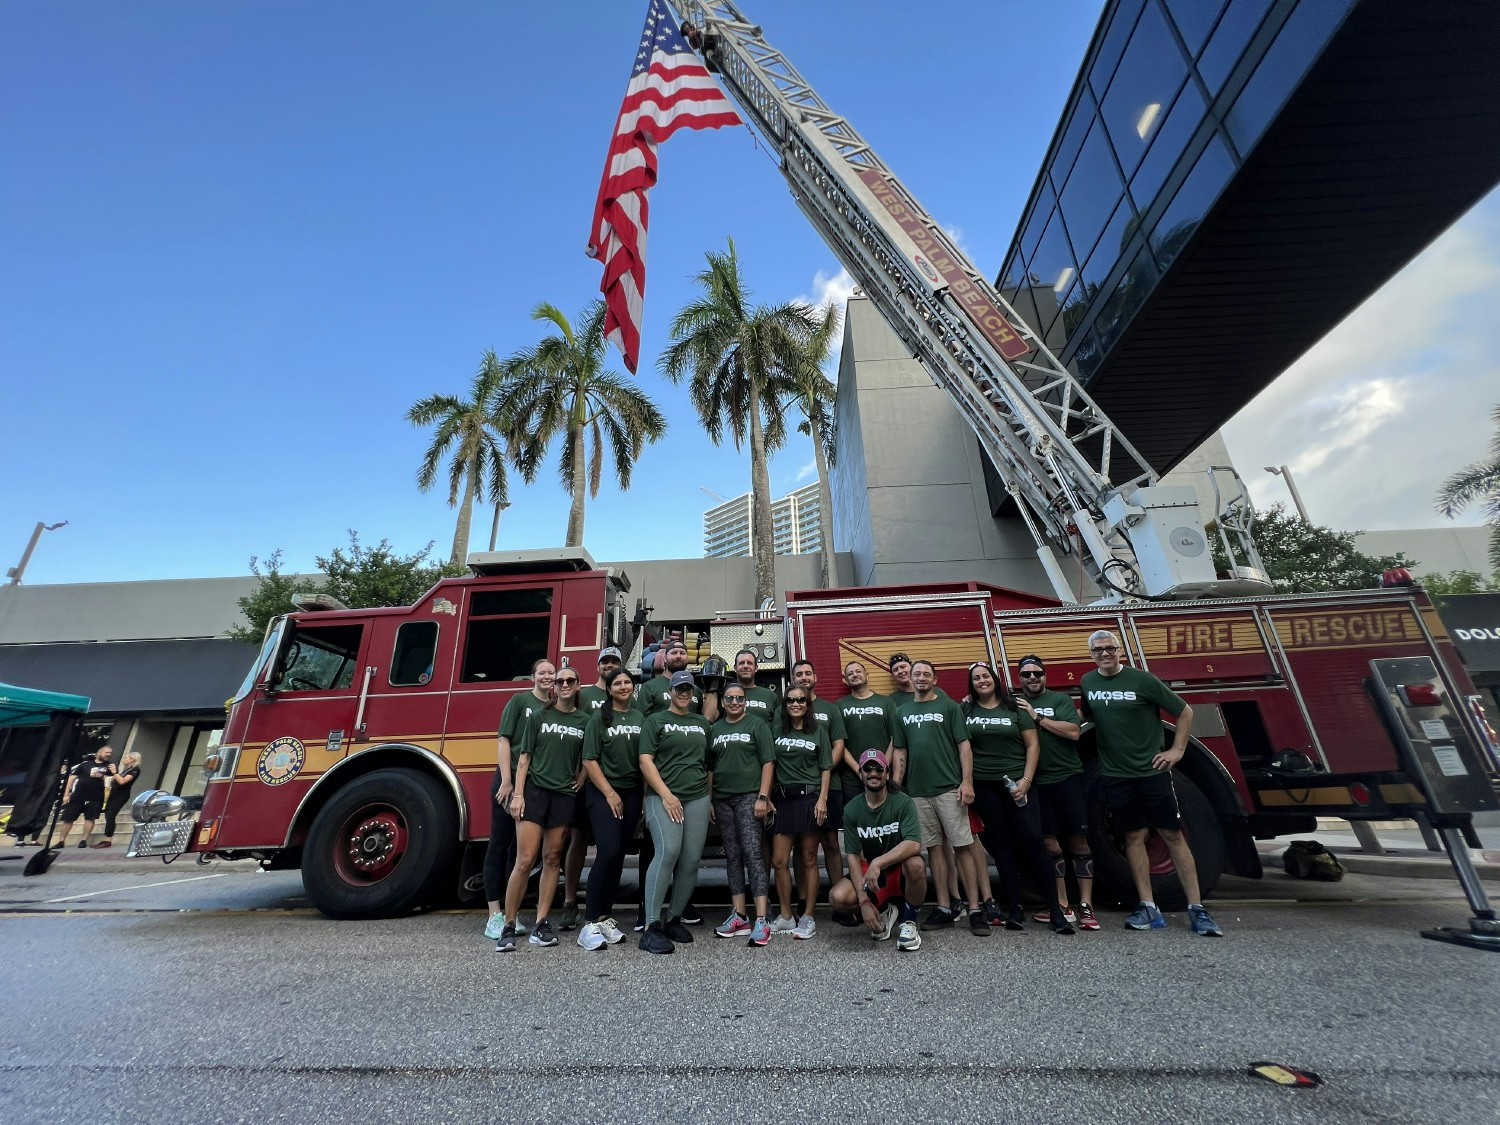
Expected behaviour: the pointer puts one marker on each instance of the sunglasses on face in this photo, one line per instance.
(682, 688)
(872, 767)
(1105, 650)
(564, 681)
(734, 699)
(1033, 675)
(796, 699)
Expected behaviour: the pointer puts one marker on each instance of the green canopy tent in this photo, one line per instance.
(31, 778)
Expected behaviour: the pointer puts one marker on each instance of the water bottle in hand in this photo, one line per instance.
(1011, 787)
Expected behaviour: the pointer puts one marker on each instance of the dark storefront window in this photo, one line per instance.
(1147, 82)
(1230, 39)
(1192, 202)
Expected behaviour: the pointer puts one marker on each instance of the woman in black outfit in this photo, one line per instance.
(118, 795)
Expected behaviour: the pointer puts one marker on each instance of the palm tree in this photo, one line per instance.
(561, 386)
(742, 362)
(467, 429)
(1478, 482)
(814, 396)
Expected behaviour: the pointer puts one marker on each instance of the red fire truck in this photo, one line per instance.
(361, 745)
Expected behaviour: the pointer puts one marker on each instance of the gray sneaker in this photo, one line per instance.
(781, 924)
(888, 918)
(805, 927)
(908, 937)
(570, 914)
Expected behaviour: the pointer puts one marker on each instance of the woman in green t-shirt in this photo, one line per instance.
(548, 775)
(804, 763)
(611, 749)
(1003, 739)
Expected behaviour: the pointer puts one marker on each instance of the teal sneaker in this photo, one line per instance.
(495, 925)
(1145, 917)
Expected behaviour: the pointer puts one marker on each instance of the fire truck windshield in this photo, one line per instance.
(267, 648)
(319, 658)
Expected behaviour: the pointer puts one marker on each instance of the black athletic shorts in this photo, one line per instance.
(1142, 802)
(1065, 807)
(835, 819)
(71, 811)
(796, 807)
(548, 808)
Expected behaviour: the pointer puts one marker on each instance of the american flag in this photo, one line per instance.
(669, 89)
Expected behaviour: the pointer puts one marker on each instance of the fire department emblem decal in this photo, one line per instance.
(281, 760)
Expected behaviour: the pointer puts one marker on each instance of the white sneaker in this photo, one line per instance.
(888, 918)
(611, 931)
(592, 937)
(805, 927)
(494, 927)
(908, 937)
(783, 924)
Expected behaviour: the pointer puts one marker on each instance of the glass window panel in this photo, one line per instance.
(1114, 42)
(492, 603)
(1093, 189)
(1194, 19)
(1067, 149)
(1127, 298)
(1074, 307)
(1053, 263)
(1149, 77)
(1229, 39)
(1041, 211)
(1181, 123)
(1010, 276)
(1086, 357)
(1026, 307)
(411, 660)
(503, 649)
(1300, 41)
(1111, 244)
(1192, 202)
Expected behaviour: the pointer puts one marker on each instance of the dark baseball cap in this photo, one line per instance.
(898, 658)
(683, 677)
(1032, 659)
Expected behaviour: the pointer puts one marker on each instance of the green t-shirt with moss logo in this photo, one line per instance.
(656, 695)
(678, 745)
(736, 753)
(1126, 709)
(518, 708)
(869, 722)
(802, 756)
(592, 698)
(831, 719)
(870, 833)
(616, 748)
(1059, 758)
(996, 740)
(763, 703)
(554, 740)
(930, 733)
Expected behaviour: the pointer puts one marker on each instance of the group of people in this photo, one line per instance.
(871, 780)
(95, 785)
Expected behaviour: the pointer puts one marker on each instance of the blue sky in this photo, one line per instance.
(240, 239)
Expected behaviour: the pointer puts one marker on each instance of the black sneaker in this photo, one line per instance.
(507, 942)
(1015, 917)
(1059, 922)
(844, 918)
(677, 932)
(992, 913)
(640, 918)
(960, 908)
(83, 843)
(938, 918)
(977, 925)
(653, 940)
(541, 934)
(691, 915)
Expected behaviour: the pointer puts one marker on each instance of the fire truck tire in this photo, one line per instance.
(381, 846)
(1112, 870)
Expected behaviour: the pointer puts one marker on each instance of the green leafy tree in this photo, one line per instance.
(1440, 587)
(814, 396)
(466, 434)
(271, 597)
(1478, 483)
(368, 577)
(561, 387)
(1304, 558)
(741, 361)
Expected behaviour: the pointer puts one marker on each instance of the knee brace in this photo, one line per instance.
(1083, 865)
(1059, 866)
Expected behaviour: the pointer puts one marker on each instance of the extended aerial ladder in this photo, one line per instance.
(1055, 450)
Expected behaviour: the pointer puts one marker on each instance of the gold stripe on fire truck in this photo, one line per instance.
(1219, 636)
(1320, 630)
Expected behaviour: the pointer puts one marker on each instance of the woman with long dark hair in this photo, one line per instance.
(547, 778)
(804, 763)
(611, 749)
(1003, 739)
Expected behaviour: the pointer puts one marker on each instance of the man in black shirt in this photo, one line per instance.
(85, 794)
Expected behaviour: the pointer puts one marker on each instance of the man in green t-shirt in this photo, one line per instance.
(883, 839)
(656, 693)
(759, 701)
(590, 700)
(1125, 704)
(935, 764)
(1059, 788)
(596, 694)
(868, 716)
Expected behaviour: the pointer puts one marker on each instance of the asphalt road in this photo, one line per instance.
(136, 991)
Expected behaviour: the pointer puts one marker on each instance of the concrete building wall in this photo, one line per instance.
(1437, 550)
(102, 611)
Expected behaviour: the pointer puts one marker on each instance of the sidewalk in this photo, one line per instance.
(1406, 855)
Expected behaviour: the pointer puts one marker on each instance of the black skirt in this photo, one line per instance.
(794, 809)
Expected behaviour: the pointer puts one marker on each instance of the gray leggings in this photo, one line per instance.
(741, 832)
(679, 848)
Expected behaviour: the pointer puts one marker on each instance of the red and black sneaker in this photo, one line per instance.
(1086, 917)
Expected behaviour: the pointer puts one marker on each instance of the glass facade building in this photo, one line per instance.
(797, 519)
(1171, 100)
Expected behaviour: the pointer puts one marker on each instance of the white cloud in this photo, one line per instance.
(806, 471)
(1394, 399)
(829, 288)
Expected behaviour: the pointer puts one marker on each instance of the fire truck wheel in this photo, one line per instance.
(380, 846)
(1112, 870)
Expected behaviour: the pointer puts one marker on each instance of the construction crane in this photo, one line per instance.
(1070, 471)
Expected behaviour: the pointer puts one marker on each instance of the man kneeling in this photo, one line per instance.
(883, 839)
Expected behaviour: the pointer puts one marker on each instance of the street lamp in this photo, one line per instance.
(15, 572)
(495, 526)
(1286, 474)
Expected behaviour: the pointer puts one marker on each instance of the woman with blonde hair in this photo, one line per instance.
(117, 794)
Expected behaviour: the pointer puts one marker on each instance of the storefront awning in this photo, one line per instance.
(134, 677)
(1473, 621)
(24, 706)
